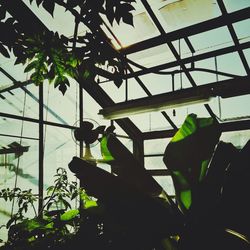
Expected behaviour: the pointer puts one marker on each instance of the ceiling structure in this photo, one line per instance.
(173, 45)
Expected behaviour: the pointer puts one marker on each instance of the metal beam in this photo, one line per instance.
(28, 119)
(224, 89)
(18, 136)
(142, 85)
(233, 35)
(104, 100)
(188, 31)
(32, 96)
(175, 53)
(225, 127)
(15, 86)
(191, 59)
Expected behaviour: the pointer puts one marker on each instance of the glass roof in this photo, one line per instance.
(156, 63)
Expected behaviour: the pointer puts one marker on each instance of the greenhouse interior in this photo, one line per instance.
(125, 124)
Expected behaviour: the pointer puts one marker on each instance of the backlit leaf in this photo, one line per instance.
(69, 215)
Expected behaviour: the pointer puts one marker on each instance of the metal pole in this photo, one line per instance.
(41, 149)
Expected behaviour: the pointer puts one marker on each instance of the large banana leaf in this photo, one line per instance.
(188, 154)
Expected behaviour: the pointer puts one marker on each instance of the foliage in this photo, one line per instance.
(56, 58)
(24, 199)
(56, 223)
(186, 170)
(211, 217)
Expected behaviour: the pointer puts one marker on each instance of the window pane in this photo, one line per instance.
(167, 183)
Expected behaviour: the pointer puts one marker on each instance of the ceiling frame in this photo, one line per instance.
(175, 53)
(22, 13)
(194, 29)
(191, 59)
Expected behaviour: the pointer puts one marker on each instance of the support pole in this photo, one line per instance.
(41, 148)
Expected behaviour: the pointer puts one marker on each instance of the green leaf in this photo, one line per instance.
(69, 215)
(188, 154)
(104, 149)
(90, 203)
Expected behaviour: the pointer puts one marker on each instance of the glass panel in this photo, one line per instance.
(233, 5)
(16, 71)
(237, 138)
(59, 150)
(63, 21)
(115, 93)
(17, 154)
(135, 90)
(182, 48)
(153, 56)
(16, 102)
(231, 63)
(157, 84)
(151, 121)
(167, 183)
(91, 109)
(202, 77)
(4, 80)
(156, 146)
(62, 108)
(179, 14)
(242, 30)
(247, 55)
(14, 127)
(128, 143)
(211, 40)
(155, 162)
(142, 29)
(235, 107)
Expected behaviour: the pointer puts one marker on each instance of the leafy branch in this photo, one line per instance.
(48, 55)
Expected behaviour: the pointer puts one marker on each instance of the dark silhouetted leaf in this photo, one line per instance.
(2, 13)
(63, 88)
(49, 5)
(128, 18)
(31, 66)
(110, 11)
(38, 2)
(4, 51)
